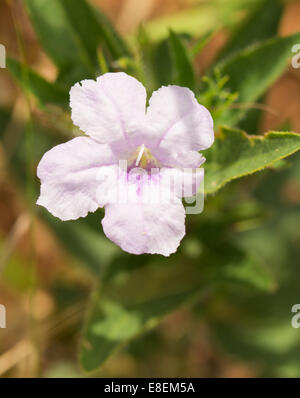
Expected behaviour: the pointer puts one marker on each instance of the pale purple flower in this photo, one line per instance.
(112, 112)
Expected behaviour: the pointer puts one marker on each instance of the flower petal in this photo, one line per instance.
(144, 227)
(179, 122)
(186, 159)
(68, 174)
(110, 108)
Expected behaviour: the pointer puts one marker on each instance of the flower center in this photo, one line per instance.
(143, 158)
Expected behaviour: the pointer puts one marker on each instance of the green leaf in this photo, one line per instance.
(252, 121)
(253, 71)
(94, 29)
(31, 82)
(117, 46)
(257, 327)
(260, 25)
(131, 304)
(71, 36)
(4, 120)
(58, 38)
(183, 68)
(85, 244)
(111, 323)
(246, 270)
(223, 261)
(161, 63)
(236, 154)
(200, 44)
(83, 239)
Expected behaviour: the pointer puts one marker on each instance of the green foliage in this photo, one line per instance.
(252, 72)
(85, 244)
(235, 154)
(182, 64)
(82, 30)
(119, 312)
(216, 95)
(261, 24)
(51, 24)
(95, 30)
(200, 44)
(4, 119)
(30, 81)
(259, 327)
(111, 323)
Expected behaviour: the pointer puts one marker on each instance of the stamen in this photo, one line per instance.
(140, 155)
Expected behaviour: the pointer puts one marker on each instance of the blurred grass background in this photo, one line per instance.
(234, 332)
